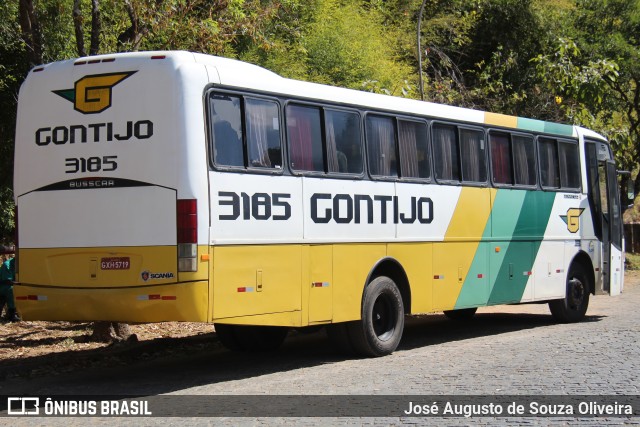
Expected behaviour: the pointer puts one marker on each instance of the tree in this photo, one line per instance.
(592, 76)
(611, 29)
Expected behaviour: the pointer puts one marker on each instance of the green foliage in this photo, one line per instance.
(12, 69)
(577, 85)
(575, 61)
(345, 46)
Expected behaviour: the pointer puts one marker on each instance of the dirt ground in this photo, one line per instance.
(21, 340)
(29, 348)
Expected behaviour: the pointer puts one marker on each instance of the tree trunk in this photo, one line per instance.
(77, 25)
(96, 26)
(112, 332)
(31, 32)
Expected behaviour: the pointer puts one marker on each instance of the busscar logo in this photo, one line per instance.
(572, 219)
(92, 94)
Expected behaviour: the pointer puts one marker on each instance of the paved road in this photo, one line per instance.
(514, 350)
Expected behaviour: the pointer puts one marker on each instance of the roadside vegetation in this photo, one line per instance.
(572, 61)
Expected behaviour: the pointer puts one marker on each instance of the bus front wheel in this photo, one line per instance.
(379, 331)
(251, 338)
(576, 301)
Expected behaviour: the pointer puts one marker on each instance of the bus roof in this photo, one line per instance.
(241, 74)
(235, 73)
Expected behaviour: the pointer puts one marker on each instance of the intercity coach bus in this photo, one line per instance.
(174, 186)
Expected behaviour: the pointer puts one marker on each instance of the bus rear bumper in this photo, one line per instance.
(186, 302)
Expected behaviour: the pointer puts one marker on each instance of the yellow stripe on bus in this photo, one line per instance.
(452, 259)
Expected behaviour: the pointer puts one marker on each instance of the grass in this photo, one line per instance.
(632, 261)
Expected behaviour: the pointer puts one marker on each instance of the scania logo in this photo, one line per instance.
(92, 94)
(147, 275)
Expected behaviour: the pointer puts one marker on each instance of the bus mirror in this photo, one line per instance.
(629, 183)
(631, 195)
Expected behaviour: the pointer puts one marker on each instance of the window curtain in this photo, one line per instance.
(408, 148)
(443, 143)
(473, 166)
(381, 143)
(257, 128)
(549, 163)
(299, 128)
(524, 161)
(501, 159)
(332, 150)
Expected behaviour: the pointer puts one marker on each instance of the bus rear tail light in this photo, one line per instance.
(187, 235)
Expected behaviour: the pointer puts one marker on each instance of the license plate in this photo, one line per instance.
(115, 263)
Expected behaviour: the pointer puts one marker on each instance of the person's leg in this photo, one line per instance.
(6, 292)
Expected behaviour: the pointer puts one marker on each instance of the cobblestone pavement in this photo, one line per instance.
(510, 350)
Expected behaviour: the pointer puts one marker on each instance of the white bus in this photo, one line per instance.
(173, 186)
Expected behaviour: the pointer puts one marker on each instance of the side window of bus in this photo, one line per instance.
(226, 119)
(569, 164)
(524, 160)
(513, 159)
(381, 145)
(549, 171)
(445, 153)
(305, 138)
(501, 158)
(414, 154)
(472, 155)
(344, 145)
(263, 134)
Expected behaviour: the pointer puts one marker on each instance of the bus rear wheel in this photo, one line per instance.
(576, 301)
(379, 331)
(251, 338)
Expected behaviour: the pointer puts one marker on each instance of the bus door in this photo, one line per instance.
(612, 254)
(604, 203)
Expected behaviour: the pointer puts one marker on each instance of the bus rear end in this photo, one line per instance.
(108, 192)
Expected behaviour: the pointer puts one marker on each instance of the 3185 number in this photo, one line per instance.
(91, 164)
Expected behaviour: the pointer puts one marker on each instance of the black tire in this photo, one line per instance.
(251, 338)
(379, 331)
(576, 301)
(461, 314)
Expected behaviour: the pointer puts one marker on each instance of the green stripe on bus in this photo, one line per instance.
(501, 266)
(502, 222)
(558, 129)
(530, 124)
(509, 283)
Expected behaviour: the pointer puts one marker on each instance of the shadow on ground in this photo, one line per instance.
(171, 364)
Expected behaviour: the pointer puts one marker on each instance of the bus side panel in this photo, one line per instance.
(461, 275)
(253, 280)
(320, 283)
(570, 229)
(352, 264)
(550, 271)
(519, 220)
(416, 260)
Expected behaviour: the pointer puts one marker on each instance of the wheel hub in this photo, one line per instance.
(576, 293)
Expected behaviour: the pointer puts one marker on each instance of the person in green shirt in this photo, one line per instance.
(7, 277)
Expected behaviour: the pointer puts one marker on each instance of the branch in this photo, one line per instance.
(133, 34)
